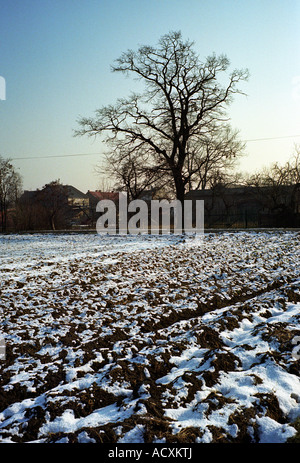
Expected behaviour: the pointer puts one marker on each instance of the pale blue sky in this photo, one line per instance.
(55, 56)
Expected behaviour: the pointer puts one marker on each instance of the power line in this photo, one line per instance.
(92, 154)
(273, 138)
(55, 156)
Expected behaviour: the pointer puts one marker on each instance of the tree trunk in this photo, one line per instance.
(3, 213)
(180, 192)
(52, 223)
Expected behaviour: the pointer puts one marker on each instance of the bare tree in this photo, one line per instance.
(104, 182)
(211, 160)
(54, 201)
(134, 173)
(182, 107)
(278, 188)
(10, 189)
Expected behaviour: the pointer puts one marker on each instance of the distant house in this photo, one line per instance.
(244, 206)
(94, 197)
(27, 196)
(67, 206)
(79, 204)
(75, 197)
(77, 200)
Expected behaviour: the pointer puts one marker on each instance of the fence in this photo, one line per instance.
(241, 220)
(250, 219)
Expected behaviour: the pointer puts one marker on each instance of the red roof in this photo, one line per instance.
(99, 195)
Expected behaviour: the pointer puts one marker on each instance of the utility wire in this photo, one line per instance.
(92, 154)
(273, 138)
(55, 156)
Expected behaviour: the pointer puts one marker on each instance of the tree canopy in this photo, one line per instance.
(10, 187)
(180, 114)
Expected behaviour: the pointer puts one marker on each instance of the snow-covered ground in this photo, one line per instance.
(150, 339)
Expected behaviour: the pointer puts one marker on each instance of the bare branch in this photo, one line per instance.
(177, 114)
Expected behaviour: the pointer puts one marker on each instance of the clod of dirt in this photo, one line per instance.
(209, 339)
(222, 362)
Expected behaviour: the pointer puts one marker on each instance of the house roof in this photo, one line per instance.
(27, 195)
(75, 193)
(237, 190)
(71, 191)
(99, 195)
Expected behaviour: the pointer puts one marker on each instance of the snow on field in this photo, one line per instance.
(150, 339)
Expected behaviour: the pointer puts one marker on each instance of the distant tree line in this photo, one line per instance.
(47, 208)
(268, 198)
(10, 190)
(276, 188)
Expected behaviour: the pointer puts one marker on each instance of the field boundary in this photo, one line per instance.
(93, 231)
